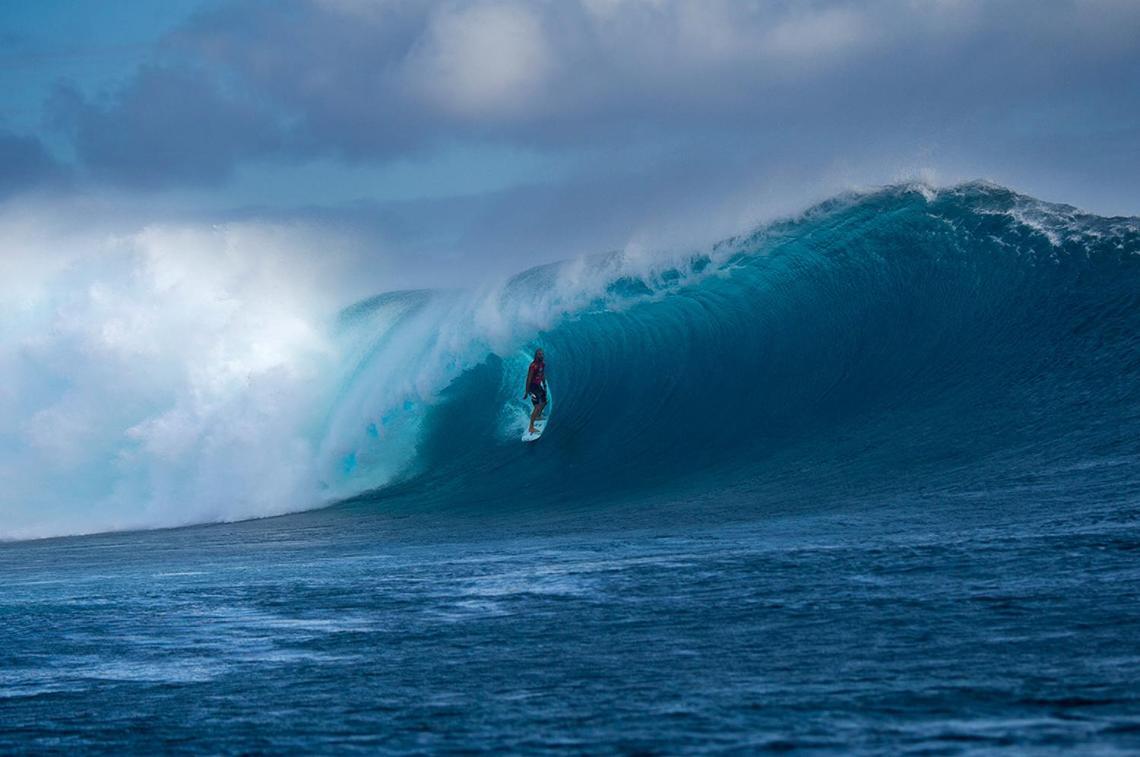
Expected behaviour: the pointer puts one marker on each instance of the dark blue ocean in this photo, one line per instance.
(866, 480)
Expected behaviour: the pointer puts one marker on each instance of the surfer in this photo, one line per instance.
(536, 386)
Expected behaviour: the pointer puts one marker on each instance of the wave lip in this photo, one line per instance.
(877, 340)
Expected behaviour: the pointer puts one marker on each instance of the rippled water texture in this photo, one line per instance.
(878, 630)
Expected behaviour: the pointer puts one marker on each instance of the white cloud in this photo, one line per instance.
(817, 35)
(487, 60)
(607, 9)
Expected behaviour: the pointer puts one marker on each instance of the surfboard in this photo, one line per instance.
(539, 427)
(540, 424)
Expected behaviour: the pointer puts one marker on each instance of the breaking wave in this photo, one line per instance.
(906, 339)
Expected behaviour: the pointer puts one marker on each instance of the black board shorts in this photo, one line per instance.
(537, 394)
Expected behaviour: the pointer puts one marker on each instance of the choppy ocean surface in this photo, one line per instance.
(865, 480)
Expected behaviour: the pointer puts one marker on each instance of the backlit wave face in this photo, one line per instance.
(898, 336)
(868, 340)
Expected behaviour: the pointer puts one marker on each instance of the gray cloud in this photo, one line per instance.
(169, 126)
(366, 80)
(25, 164)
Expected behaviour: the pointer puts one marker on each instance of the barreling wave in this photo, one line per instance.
(904, 339)
(964, 341)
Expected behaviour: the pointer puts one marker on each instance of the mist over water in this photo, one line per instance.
(159, 378)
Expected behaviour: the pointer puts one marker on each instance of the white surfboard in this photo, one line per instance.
(539, 427)
(540, 424)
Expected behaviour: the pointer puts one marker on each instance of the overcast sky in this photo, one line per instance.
(523, 130)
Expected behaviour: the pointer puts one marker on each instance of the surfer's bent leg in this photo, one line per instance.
(534, 415)
(539, 401)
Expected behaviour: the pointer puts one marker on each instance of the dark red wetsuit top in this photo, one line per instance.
(537, 375)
